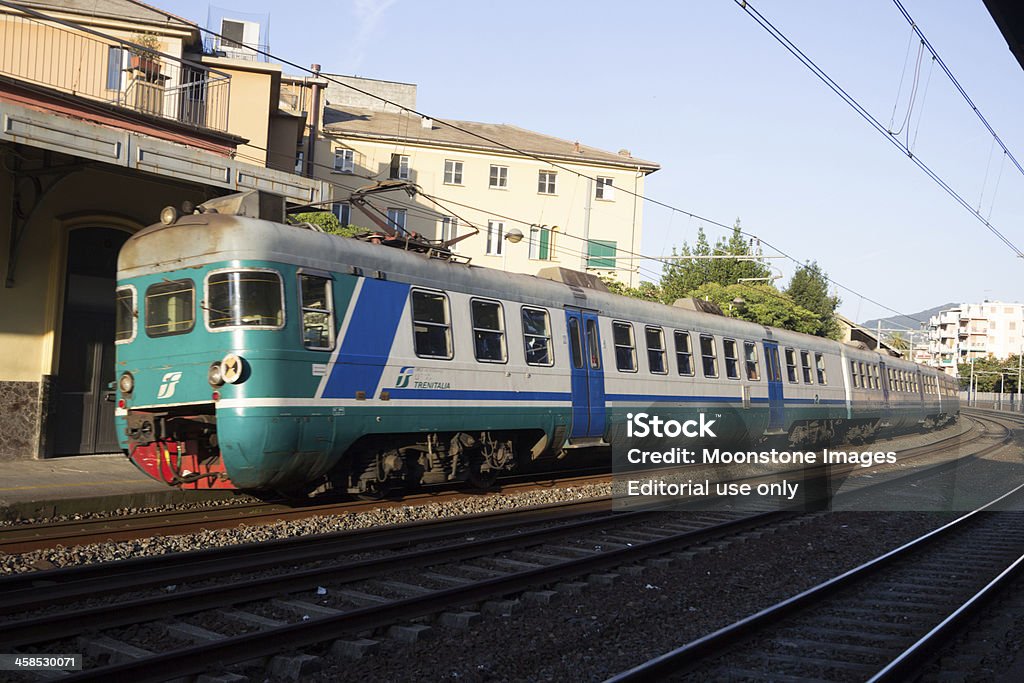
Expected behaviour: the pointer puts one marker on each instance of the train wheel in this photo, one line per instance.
(483, 480)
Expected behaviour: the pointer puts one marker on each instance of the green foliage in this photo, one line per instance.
(682, 277)
(647, 291)
(898, 342)
(759, 303)
(809, 289)
(984, 381)
(328, 222)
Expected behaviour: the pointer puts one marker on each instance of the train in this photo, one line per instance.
(259, 355)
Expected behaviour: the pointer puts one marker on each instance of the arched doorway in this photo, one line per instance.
(84, 406)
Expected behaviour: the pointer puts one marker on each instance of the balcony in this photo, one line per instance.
(75, 60)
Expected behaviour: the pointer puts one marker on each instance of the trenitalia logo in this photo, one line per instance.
(642, 424)
(170, 380)
(404, 375)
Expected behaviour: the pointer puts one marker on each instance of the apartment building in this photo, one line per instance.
(110, 111)
(989, 329)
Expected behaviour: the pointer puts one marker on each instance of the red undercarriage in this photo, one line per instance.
(167, 462)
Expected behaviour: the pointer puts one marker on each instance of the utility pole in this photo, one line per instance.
(314, 122)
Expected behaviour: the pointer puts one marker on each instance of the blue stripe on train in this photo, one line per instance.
(371, 332)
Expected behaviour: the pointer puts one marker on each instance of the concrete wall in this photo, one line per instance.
(403, 94)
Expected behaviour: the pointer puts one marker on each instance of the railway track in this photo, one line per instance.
(28, 537)
(877, 622)
(435, 577)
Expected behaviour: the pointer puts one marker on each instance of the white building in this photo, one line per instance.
(990, 329)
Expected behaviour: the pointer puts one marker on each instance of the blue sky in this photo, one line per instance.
(740, 128)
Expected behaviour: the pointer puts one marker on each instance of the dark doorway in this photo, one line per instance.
(84, 406)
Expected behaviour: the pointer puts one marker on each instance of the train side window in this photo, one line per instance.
(684, 354)
(317, 312)
(708, 355)
(732, 363)
(244, 298)
(656, 359)
(575, 343)
(750, 360)
(791, 365)
(125, 315)
(819, 363)
(805, 366)
(625, 347)
(854, 377)
(170, 308)
(431, 325)
(593, 344)
(488, 331)
(537, 336)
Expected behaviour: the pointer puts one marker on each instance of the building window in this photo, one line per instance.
(540, 243)
(750, 359)
(656, 357)
(495, 237)
(344, 160)
(300, 161)
(317, 312)
(499, 177)
(708, 355)
(449, 228)
(432, 335)
(343, 212)
(399, 167)
(625, 348)
(488, 331)
(452, 172)
(537, 337)
(546, 182)
(684, 356)
(605, 189)
(396, 219)
(115, 64)
(601, 254)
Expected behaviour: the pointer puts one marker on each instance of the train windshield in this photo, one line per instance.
(124, 314)
(170, 308)
(244, 298)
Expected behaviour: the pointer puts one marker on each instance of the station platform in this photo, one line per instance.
(83, 484)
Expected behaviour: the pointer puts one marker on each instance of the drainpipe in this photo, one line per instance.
(314, 122)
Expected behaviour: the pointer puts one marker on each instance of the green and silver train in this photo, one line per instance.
(258, 355)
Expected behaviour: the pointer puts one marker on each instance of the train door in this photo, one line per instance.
(588, 410)
(776, 402)
(884, 377)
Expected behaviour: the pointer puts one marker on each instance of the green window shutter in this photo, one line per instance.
(601, 253)
(545, 241)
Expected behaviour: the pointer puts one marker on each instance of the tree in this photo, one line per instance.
(682, 276)
(990, 373)
(898, 342)
(647, 291)
(809, 288)
(759, 303)
(328, 222)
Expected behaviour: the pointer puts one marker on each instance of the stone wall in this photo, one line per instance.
(21, 412)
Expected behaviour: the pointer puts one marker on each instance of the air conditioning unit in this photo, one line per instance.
(239, 39)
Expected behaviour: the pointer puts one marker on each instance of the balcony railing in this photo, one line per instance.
(80, 61)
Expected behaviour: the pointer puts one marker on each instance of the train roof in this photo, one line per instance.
(198, 239)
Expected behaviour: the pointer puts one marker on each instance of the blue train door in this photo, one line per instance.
(588, 411)
(776, 404)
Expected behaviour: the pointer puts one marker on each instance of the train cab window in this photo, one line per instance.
(791, 365)
(170, 308)
(708, 355)
(593, 344)
(854, 377)
(125, 314)
(750, 361)
(657, 361)
(625, 347)
(244, 298)
(819, 364)
(575, 343)
(317, 312)
(488, 331)
(431, 325)
(732, 362)
(684, 354)
(805, 366)
(537, 336)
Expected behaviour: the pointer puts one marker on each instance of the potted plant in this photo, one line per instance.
(146, 59)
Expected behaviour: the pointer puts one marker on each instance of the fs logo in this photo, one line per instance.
(404, 375)
(170, 380)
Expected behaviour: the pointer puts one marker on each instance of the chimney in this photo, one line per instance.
(576, 147)
(427, 123)
(625, 153)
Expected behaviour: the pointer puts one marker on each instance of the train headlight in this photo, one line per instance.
(232, 368)
(169, 215)
(126, 383)
(215, 375)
